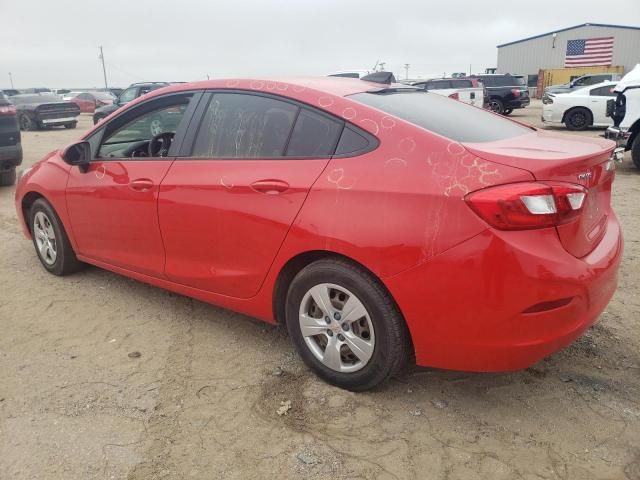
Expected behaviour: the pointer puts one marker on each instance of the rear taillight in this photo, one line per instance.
(521, 206)
(7, 110)
(455, 96)
(516, 92)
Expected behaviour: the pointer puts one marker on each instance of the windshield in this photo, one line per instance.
(22, 99)
(450, 118)
(103, 95)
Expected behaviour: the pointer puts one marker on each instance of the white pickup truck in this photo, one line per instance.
(466, 90)
(625, 112)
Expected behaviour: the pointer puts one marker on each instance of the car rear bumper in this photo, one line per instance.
(502, 301)
(519, 103)
(10, 156)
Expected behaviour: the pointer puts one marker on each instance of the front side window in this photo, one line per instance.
(237, 125)
(133, 137)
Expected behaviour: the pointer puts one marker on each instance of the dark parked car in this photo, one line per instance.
(10, 92)
(506, 92)
(132, 92)
(45, 110)
(10, 146)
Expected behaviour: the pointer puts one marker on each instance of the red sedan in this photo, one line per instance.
(376, 221)
(89, 101)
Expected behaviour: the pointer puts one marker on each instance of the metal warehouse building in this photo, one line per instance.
(560, 48)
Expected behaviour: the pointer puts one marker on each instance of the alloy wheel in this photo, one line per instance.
(336, 328)
(45, 238)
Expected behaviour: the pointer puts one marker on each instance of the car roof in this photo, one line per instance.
(338, 86)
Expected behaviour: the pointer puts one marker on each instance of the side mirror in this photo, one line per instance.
(78, 154)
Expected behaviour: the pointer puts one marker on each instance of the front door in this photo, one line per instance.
(226, 209)
(113, 205)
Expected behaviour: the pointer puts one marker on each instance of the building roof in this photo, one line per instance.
(570, 28)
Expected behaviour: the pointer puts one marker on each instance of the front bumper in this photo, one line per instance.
(10, 157)
(618, 135)
(495, 302)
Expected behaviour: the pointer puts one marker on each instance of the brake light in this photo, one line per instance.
(516, 92)
(455, 96)
(521, 206)
(8, 110)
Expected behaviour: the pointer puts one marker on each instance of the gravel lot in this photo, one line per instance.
(200, 398)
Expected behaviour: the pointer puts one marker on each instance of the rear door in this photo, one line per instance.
(225, 208)
(598, 98)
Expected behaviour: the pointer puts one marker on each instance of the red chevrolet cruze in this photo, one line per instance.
(377, 221)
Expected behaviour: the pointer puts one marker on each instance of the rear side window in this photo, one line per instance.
(239, 125)
(441, 85)
(451, 119)
(502, 81)
(603, 91)
(461, 84)
(352, 142)
(314, 135)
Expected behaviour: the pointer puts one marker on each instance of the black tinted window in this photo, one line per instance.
(440, 85)
(313, 136)
(455, 120)
(346, 75)
(461, 84)
(603, 91)
(239, 125)
(502, 81)
(351, 142)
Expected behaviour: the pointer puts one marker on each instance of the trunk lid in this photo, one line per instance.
(563, 158)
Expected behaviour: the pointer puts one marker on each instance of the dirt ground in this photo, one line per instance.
(200, 398)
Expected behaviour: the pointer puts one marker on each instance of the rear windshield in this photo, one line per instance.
(450, 118)
(502, 81)
(22, 99)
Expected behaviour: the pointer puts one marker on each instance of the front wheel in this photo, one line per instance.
(345, 325)
(50, 240)
(27, 124)
(8, 177)
(635, 151)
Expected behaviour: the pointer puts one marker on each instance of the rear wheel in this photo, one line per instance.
(496, 105)
(345, 326)
(578, 119)
(507, 111)
(635, 151)
(50, 240)
(8, 177)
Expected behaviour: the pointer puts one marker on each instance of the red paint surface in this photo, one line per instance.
(221, 231)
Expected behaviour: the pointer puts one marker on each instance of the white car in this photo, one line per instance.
(579, 109)
(466, 90)
(625, 113)
(350, 73)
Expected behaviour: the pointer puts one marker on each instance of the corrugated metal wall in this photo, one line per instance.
(530, 56)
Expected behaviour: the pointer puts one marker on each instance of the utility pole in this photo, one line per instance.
(11, 79)
(104, 70)
(406, 71)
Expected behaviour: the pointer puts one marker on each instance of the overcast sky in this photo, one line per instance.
(54, 43)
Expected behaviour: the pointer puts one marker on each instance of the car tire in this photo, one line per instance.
(578, 119)
(507, 111)
(8, 177)
(635, 151)
(496, 106)
(97, 119)
(377, 328)
(27, 124)
(155, 126)
(70, 125)
(51, 241)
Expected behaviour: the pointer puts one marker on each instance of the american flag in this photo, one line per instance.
(589, 52)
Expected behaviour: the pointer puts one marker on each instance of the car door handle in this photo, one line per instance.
(141, 185)
(270, 187)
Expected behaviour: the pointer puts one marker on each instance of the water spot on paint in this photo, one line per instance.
(387, 122)
(257, 85)
(325, 102)
(407, 145)
(232, 83)
(349, 113)
(369, 124)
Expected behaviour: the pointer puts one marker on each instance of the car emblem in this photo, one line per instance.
(585, 175)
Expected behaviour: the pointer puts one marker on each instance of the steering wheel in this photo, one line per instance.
(159, 145)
